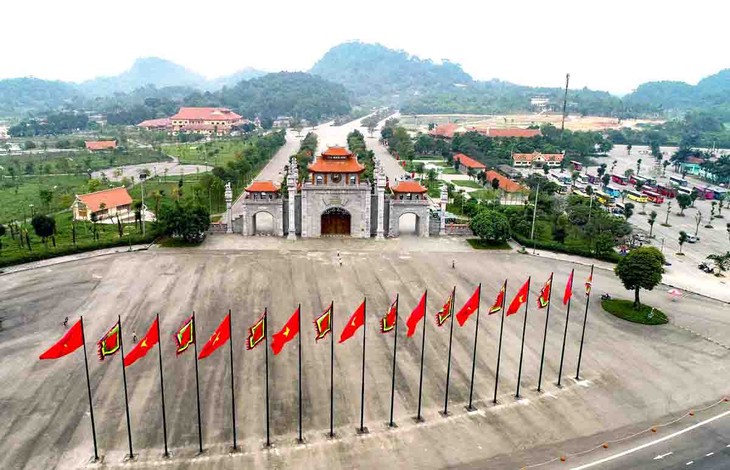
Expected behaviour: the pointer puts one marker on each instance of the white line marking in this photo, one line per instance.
(649, 444)
(708, 455)
(661, 456)
(690, 462)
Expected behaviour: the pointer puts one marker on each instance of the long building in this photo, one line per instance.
(191, 120)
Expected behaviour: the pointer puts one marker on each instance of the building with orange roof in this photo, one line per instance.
(505, 184)
(99, 145)
(510, 132)
(105, 203)
(207, 121)
(466, 163)
(536, 158)
(162, 124)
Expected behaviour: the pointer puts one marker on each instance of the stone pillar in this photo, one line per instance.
(229, 211)
(291, 183)
(444, 200)
(380, 181)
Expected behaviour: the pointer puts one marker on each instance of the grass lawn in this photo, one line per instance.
(485, 194)
(428, 157)
(625, 309)
(81, 161)
(478, 244)
(449, 171)
(16, 197)
(216, 153)
(467, 184)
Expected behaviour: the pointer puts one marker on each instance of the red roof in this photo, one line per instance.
(332, 161)
(694, 160)
(529, 157)
(505, 183)
(262, 187)
(155, 123)
(206, 114)
(444, 130)
(337, 152)
(101, 144)
(409, 186)
(511, 132)
(469, 162)
(114, 197)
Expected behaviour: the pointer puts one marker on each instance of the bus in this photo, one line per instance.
(613, 192)
(677, 181)
(634, 179)
(603, 198)
(577, 165)
(636, 196)
(618, 209)
(577, 192)
(618, 179)
(704, 192)
(683, 190)
(666, 191)
(656, 198)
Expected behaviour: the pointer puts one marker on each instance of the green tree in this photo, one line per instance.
(682, 239)
(638, 166)
(651, 220)
(44, 227)
(642, 268)
(628, 210)
(491, 226)
(2, 234)
(188, 221)
(606, 179)
(722, 262)
(684, 201)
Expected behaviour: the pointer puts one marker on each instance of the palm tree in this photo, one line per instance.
(638, 166)
(651, 220)
(682, 238)
(722, 262)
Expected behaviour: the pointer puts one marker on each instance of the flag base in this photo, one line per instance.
(445, 414)
(419, 419)
(331, 435)
(267, 445)
(167, 455)
(300, 441)
(234, 450)
(471, 408)
(128, 458)
(95, 460)
(363, 430)
(391, 425)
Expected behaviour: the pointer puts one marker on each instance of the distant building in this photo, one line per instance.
(282, 122)
(536, 158)
(162, 124)
(106, 203)
(692, 165)
(505, 184)
(206, 121)
(466, 163)
(509, 171)
(514, 132)
(4, 133)
(540, 102)
(100, 145)
(447, 131)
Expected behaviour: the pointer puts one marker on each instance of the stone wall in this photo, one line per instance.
(317, 199)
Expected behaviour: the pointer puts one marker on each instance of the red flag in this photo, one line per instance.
(416, 315)
(470, 306)
(356, 321)
(323, 324)
(445, 312)
(149, 340)
(568, 289)
(286, 334)
(497, 305)
(70, 342)
(218, 338)
(520, 298)
(387, 323)
(547, 290)
(185, 336)
(589, 284)
(257, 332)
(108, 345)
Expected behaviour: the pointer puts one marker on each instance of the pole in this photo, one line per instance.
(565, 104)
(392, 380)
(233, 396)
(499, 348)
(534, 215)
(197, 386)
(266, 369)
(544, 336)
(448, 360)
(162, 388)
(474, 353)
(88, 386)
(143, 207)
(299, 341)
(522, 348)
(362, 389)
(124, 380)
(419, 418)
(565, 335)
(583, 334)
(332, 369)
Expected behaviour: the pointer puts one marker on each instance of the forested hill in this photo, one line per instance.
(20, 95)
(374, 72)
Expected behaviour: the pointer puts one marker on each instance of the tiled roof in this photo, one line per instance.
(155, 123)
(114, 197)
(324, 165)
(262, 187)
(444, 130)
(505, 183)
(101, 144)
(337, 151)
(694, 160)
(529, 157)
(409, 186)
(511, 132)
(469, 162)
(206, 114)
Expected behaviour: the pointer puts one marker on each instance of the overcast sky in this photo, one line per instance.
(610, 46)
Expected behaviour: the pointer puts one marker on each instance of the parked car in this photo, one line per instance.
(692, 239)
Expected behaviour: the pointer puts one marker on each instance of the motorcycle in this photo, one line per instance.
(605, 297)
(705, 267)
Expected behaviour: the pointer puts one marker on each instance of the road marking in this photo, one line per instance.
(649, 444)
(710, 454)
(661, 456)
(690, 462)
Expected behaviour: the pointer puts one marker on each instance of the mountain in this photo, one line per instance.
(29, 95)
(374, 72)
(231, 80)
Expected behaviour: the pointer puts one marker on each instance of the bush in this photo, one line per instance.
(625, 310)
(490, 226)
(612, 257)
(189, 221)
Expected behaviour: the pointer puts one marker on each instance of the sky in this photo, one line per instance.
(613, 46)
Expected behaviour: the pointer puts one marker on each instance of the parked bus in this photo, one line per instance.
(720, 193)
(618, 209)
(619, 180)
(577, 165)
(683, 190)
(578, 192)
(656, 198)
(636, 196)
(677, 181)
(603, 198)
(704, 192)
(666, 191)
(593, 179)
(613, 192)
(633, 179)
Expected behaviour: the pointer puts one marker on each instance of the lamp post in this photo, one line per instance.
(534, 215)
(32, 210)
(142, 178)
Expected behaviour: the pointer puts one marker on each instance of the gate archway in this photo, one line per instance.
(263, 223)
(408, 224)
(335, 221)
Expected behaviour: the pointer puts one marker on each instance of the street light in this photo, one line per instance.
(142, 178)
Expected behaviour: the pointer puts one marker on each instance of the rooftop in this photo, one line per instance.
(469, 162)
(113, 197)
(510, 132)
(263, 186)
(206, 114)
(101, 144)
(336, 160)
(505, 183)
(408, 186)
(162, 122)
(529, 157)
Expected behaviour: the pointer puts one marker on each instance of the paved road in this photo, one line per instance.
(169, 169)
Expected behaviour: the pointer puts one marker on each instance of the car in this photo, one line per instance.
(692, 239)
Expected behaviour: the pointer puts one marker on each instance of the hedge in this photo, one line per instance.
(612, 257)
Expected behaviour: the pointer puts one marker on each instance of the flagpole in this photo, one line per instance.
(266, 368)
(419, 418)
(233, 396)
(88, 386)
(392, 380)
(162, 388)
(448, 361)
(197, 385)
(332, 369)
(522, 348)
(499, 348)
(474, 353)
(124, 380)
(299, 339)
(565, 334)
(583, 334)
(544, 336)
(362, 390)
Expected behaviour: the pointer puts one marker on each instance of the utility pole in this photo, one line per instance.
(534, 215)
(143, 177)
(565, 104)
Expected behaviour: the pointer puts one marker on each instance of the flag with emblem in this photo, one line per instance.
(497, 305)
(218, 338)
(387, 323)
(256, 333)
(108, 345)
(185, 336)
(357, 319)
(286, 334)
(70, 342)
(323, 324)
(568, 289)
(445, 312)
(589, 284)
(519, 299)
(544, 299)
(470, 306)
(148, 340)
